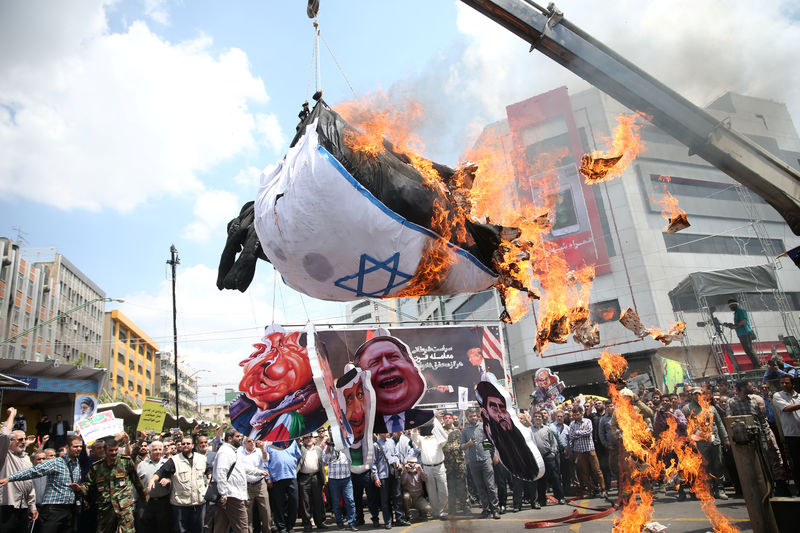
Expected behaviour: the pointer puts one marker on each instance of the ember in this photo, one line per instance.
(676, 217)
(625, 147)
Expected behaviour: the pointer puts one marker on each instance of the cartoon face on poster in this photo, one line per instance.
(396, 380)
(549, 386)
(85, 406)
(279, 400)
(326, 388)
(357, 398)
(513, 441)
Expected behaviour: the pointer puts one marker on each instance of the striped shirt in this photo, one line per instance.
(580, 436)
(60, 473)
(338, 464)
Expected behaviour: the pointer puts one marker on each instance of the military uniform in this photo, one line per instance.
(456, 470)
(114, 487)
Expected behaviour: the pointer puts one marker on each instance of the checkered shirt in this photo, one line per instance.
(580, 436)
(59, 476)
(338, 464)
(738, 406)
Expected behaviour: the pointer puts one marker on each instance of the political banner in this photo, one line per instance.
(326, 388)
(101, 425)
(154, 412)
(85, 406)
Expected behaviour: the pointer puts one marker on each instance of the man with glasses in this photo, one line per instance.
(255, 454)
(57, 511)
(157, 513)
(186, 472)
(18, 500)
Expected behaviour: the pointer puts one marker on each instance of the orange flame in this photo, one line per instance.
(675, 216)
(645, 462)
(625, 147)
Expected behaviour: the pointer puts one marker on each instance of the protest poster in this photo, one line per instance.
(153, 414)
(101, 425)
(85, 406)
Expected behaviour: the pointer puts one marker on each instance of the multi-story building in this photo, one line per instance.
(187, 386)
(33, 293)
(215, 412)
(131, 360)
(617, 226)
(372, 311)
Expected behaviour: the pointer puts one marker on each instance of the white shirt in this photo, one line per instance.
(234, 486)
(311, 461)
(790, 422)
(256, 459)
(430, 448)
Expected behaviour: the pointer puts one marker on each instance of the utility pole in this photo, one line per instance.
(174, 261)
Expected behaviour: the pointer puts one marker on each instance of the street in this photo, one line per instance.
(678, 517)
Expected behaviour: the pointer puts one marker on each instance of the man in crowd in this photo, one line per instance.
(114, 479)
(283, 485)
(786, 403)
(391, 499)
(774, 371)
(17, 500)
(186, 473)
(310, 480)
(57, 511)
(741, 324)
(156, 516)
(58, 432)
(611, 443)
(709, 443)
(256, 456)
(412, 480)
(479, 464)
(582, 445)
(231, 477)
(547, 444)
(561, 428)
(430, 439)
(455, 467)
(599, 447)
(340, 485)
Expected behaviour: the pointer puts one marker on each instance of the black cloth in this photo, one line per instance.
(414, 418)
(793, 453)
(42, 429)
(157, 517)
(59, 440)
(187, 518)
(13, 519)
(551, 476)
(284, 510)
(313, 505)
(57, 518)
(361, 484)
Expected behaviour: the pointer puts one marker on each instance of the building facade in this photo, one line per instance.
(187, 385)
(32, 293)
(131, 360)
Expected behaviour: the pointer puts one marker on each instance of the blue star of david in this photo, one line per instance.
(368, 265)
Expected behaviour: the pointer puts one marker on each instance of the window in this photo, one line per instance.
(123, 335)
(131, 365)
(692, 243)
(147, 373)
(607, 311)
(120, 381)
(139, 369)
(121, 358)
(139, 389)
(130, 385)
(149, 354)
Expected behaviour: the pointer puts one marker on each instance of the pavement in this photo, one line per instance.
(678, 517)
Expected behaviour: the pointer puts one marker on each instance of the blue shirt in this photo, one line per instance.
(283, 463)
(59, 475)
(738, 315)
(380, 468)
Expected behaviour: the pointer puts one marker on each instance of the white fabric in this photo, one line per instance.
(257, 459)
(331, 239)
(790, 422)
(234, 486)
(430, 448)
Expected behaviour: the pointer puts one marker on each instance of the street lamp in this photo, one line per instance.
(60, 315)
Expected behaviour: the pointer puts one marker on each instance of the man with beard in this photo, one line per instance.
(479, 464)
(397, 383)
(355, 412)
(508, 441)
(157, 513)
(280, 401)
(231, 476)
(582, 445)
(786, 403)
(17, 500)
(455, 467)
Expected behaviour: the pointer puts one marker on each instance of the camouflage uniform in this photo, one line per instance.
(456, 470)
(114, 487)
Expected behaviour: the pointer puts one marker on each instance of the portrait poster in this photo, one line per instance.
(278, 399)
(513, 441)
(547, 394)
(154, 412)
(85, 406)
(101, 425)
(326, 389)
(357, 399)
(448, 357)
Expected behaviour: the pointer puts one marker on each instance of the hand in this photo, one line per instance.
(31, 440)
(264, 473)
(34, 515)
(469, 443)
(12, 412)
(3, 482)
(151, 484)
(47, 437)
(75, 487)
(378, 483)
(223, 501)
(260, 444)
(164, 482)
(77, 431)
(269, 483)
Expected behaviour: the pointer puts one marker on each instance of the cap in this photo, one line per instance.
(697, 390)
(732, 301)
(626, 392)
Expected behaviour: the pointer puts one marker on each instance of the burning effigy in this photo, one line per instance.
(631, 321)
(648, 460)
(605, 165)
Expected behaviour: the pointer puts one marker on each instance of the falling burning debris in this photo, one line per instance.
(676, 217)
(625, 147)
(478, 192)
(645, 461)
(630, 320)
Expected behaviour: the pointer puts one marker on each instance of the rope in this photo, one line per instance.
(314, 60)
(338, 65)
(573, 518)
(274, 291)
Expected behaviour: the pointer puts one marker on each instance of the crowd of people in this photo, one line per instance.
(229, 482)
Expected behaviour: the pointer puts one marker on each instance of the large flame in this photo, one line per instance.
(670, 210)
(645, 457)
(605, 165)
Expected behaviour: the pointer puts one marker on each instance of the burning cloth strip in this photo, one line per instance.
(341, 224)
(630, 320)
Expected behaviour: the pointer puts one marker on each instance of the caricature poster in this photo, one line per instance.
(357, 398)
(513, 441)
(549, 386)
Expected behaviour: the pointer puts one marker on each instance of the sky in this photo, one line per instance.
(130, 125)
